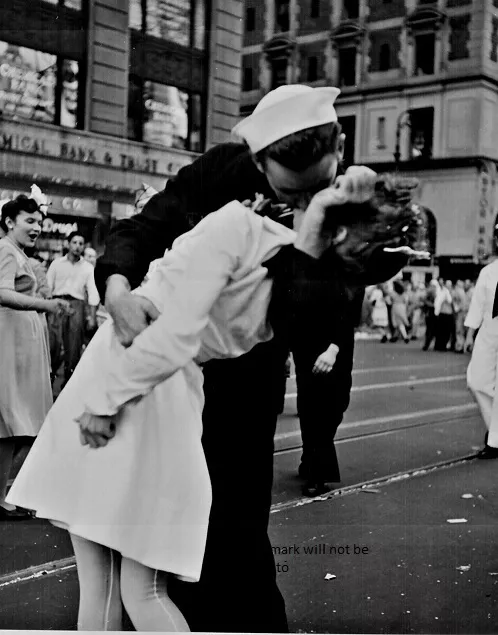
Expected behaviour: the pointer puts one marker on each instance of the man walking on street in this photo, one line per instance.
(71, 278)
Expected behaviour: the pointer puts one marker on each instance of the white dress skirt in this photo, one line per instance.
(147, 493)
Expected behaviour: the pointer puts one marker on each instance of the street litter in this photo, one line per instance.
(330, 576)
(464, 567)
(456, 520)
(467, 496)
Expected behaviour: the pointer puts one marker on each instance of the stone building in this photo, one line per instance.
(417, 76)
(100, 96)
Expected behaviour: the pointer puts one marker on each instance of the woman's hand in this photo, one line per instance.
(96, 431)
(57, 306)
(325, 362)
(131, 313)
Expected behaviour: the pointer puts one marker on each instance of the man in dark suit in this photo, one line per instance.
(293, 148)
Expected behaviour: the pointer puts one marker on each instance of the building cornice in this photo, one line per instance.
(425, 19)
(279, 46)
(427, 165)
(402, 88)
(347, 32)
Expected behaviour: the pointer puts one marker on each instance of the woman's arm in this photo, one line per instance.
(11, 298)
(22, 302)
(198, 270)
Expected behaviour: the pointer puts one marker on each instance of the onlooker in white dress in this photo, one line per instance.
(25, 392)
(146, 494)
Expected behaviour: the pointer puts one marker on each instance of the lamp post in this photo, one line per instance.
(403, 120)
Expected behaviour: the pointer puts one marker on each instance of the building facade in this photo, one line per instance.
(419, 82)
(98, 97)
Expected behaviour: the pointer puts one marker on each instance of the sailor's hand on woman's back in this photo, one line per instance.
(131, 313)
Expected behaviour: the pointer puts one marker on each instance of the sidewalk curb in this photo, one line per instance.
(376, 482)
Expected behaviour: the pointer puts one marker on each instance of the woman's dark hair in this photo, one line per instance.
(12, 209)
(301, 149)
(389, 219)
(399, 287)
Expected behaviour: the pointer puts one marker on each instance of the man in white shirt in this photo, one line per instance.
(71, 278)
(482, 373)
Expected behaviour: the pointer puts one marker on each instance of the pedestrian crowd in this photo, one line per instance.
(433, 313)
(256, 249)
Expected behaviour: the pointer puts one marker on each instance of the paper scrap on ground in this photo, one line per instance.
(456, 520)
(330, 576)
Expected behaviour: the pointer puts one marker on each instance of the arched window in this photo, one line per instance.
(428, 234)
(385, 57)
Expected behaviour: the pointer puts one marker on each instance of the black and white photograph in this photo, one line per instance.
(249, 316)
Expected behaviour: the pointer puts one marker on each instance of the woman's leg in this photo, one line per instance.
(98, 576)
(146, 600)
(7, 447)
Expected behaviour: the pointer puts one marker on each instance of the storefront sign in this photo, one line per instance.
(62, 204)
(485, 226)
(90, 150)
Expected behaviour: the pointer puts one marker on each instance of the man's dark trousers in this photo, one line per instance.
(66, 335)
(239, 427)
(322, 400)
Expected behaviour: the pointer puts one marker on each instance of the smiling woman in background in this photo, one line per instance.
(25, 391)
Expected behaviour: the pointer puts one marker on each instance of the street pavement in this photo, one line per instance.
(394, 562)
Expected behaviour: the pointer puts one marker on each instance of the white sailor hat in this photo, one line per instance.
(286, 110)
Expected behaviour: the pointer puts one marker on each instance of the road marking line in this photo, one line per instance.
(360, 371)
(389, 419)
(395, 384)
(38, 571)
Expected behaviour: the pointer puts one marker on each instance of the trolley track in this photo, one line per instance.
(377, 433)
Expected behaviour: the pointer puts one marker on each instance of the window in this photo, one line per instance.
(70, 4)
(347, 66)
(279, 72)
(421, 132)
(351, 9)
(250, 19)
(247, 80)
(135, 16)
(312, 75)
(315, 9)
(494, 40)
(459, 37)
(424, 54)
(169, 20)
(348, 125)
(165, 115)
(180, 21)
(38, 86)
(199, 25)
(282, 16)
(385, 57)
(381, 133)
